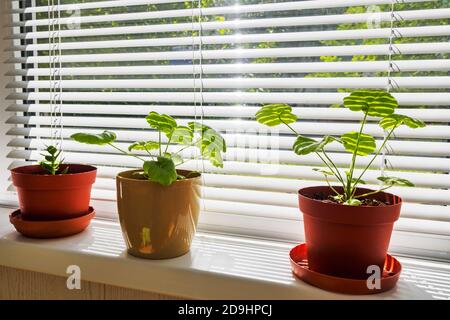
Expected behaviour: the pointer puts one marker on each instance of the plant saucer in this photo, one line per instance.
(50, 228)
(299, 263)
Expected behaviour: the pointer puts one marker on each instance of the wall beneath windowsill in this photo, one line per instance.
(29, 285)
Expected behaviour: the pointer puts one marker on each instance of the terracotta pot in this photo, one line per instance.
(53, 197)
(158, 222)
(344, 240)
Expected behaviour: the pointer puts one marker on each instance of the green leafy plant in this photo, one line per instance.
(375, 105)
(162, 166)
(51, 164)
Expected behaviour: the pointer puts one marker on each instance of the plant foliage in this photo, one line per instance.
(160, 164)
(51, 164)
(374, 105)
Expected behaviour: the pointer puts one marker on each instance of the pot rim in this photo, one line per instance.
(349, 215)
(178, 182)
(390, 195)
(89, 169)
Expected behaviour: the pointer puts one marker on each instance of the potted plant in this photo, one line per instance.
(53, 190)
(347, 228)
(158, 205)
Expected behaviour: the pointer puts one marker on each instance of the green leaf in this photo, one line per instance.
(161, 171)
(182, 135)
(391, 181)
(395, 120)
(360, 181)
(210, 142)
(175, 158)
(99, 139)
(366, 143)
(375, 103)
(51, 149)
(352, 202)
(144, 145)
(161, 122)
(323, 171)
(304, 145)
(47, 167)
(274, 114)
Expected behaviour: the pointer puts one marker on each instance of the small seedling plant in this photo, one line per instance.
(161, 167)
(51, 164)
(375, 105)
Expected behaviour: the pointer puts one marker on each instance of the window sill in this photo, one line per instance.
(217, 267)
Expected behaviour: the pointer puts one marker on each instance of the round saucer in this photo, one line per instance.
(299, 263)
(53, 228)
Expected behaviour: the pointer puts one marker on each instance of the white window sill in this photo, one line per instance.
(217, 267)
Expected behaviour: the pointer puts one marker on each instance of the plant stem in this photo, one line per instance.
(184, 161)
(373, 192)
(376, 155)
(167, 145)
(329, 167)
(355, 153)
(159, 137)
(331, 187)
(339, 176)
(188, 146)
(127, 153)
(292, 129)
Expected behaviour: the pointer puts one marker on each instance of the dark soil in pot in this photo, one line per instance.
(53, 197)
(344, 240)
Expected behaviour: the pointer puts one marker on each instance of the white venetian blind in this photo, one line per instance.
(223, 60)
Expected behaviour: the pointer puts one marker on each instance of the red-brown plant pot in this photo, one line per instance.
(344, 240)
(53, 197)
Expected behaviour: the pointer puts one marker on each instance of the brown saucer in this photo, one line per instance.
(299, 263)
(50, 229)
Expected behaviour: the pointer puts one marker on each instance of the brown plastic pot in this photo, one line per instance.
(344, 240)
(158, 222)
(53, 197)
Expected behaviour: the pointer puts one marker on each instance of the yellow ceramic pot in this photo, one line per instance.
(158, 222)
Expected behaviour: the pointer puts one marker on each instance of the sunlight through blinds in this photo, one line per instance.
(121, 59)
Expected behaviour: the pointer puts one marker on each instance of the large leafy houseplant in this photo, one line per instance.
(347, 227)
(161, 167)
(374, 106)
(158, 204)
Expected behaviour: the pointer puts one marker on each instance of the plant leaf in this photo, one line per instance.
(395, 120)
(144, 145)
(182, 135)
(396, 181)
(352, 202)
(99, 139)
(175, 158)
(161, 122)
(366, 143)
(376, 103)
(274, 114)
(52, 150)
(210, 142)
(323, 171)
(360, 181)
(304, 145)
(161, 171)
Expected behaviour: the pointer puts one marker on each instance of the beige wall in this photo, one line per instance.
(20, 284)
